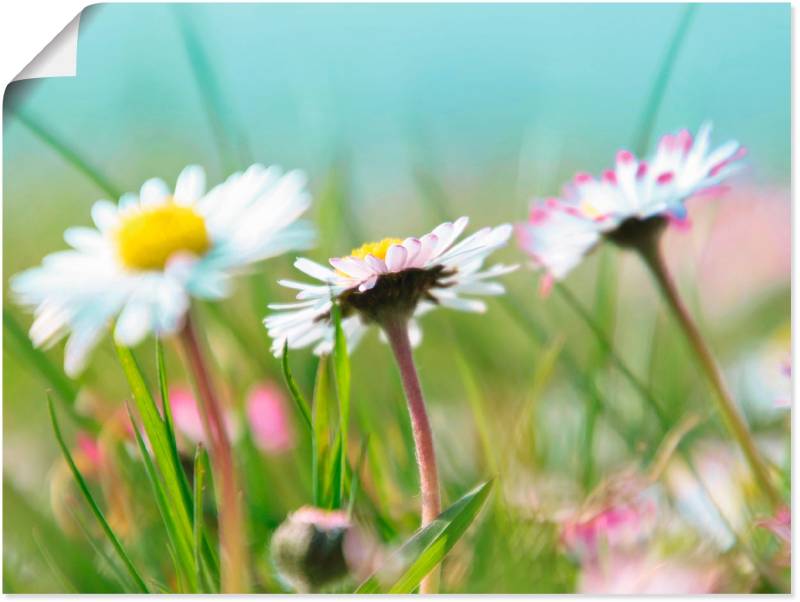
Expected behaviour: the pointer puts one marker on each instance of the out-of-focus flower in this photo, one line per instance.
(613, 538)
(314, 548)
(738, 251)
(151, 252)
(781, 526)
(187, 419)
(621, 514)
(268, 419)
(392, 277)
(560, 232)
(645, 573)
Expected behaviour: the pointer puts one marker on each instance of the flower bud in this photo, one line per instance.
(310, 548)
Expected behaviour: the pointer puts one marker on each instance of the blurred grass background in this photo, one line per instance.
(405, 116)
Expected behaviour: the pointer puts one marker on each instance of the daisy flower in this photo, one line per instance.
(148, 254)
(626, 201)
(379, 280)
(630, 205)
(388, 283)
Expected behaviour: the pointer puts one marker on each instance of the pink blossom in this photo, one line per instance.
(267, 416)
(642, 573)
(781, 526)
(186, 415)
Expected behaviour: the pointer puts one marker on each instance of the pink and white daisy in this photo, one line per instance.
(404, 277)
(560, 232)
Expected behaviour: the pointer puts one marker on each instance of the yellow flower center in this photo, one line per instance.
(148, 238)
(378, 249)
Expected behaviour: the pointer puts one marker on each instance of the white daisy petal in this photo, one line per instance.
(153, 192)
(190, 186)
(396, 258)
(104, 215)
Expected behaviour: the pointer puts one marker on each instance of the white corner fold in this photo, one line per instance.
(59, 58)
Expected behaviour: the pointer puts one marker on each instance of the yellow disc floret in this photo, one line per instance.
(378, 249)
(146, 239)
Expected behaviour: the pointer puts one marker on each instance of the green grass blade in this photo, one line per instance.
(320, 433)
(427, 547)
(297, 396)
(53, 375)
(180, 552)
(87, 494)
(200, 459)
(341, 364)
(209, 555)
(362, 455)
(68, 154)
(645, 129)
(157, 435)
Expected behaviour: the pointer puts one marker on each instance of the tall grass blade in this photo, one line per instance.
(230, 138)
(645, 130)
(87, 494)
(320, 433)
(68, 154)
(178, 549)
(341, 364)
(52, 374)
(159, 441)
(362, 454)
(200, 463)
(294, 390)
(404, 570)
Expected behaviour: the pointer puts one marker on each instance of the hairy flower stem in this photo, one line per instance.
(396, 330)
(650, 252)
(231, 522)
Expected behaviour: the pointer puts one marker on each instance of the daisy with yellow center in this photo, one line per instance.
(389, 278)
(149, 254)
(388, 283)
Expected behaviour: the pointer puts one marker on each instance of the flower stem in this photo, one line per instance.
(653, 258)
(231, 523)
(397, 332)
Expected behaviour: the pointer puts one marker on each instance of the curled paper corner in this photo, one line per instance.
(59, 58)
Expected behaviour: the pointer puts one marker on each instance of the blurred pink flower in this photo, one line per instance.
(737, 250)
(614, 526)
(642, 573)
(267, 417)
(186, 416)
(781, 526)
(89, 449)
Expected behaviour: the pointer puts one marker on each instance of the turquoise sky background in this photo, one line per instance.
(516, 95)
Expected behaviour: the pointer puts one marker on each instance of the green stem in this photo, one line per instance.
(651, 255)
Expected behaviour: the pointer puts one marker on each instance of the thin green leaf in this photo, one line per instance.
(645, 129)
(157, 435)
(197, 522)
(92, 504)
(297, 396)
(68, 154)
(403, 571)
(180, 552)
(320, 433)
(209, 555)
(52, 374)
(341, 364)
(362, 454)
